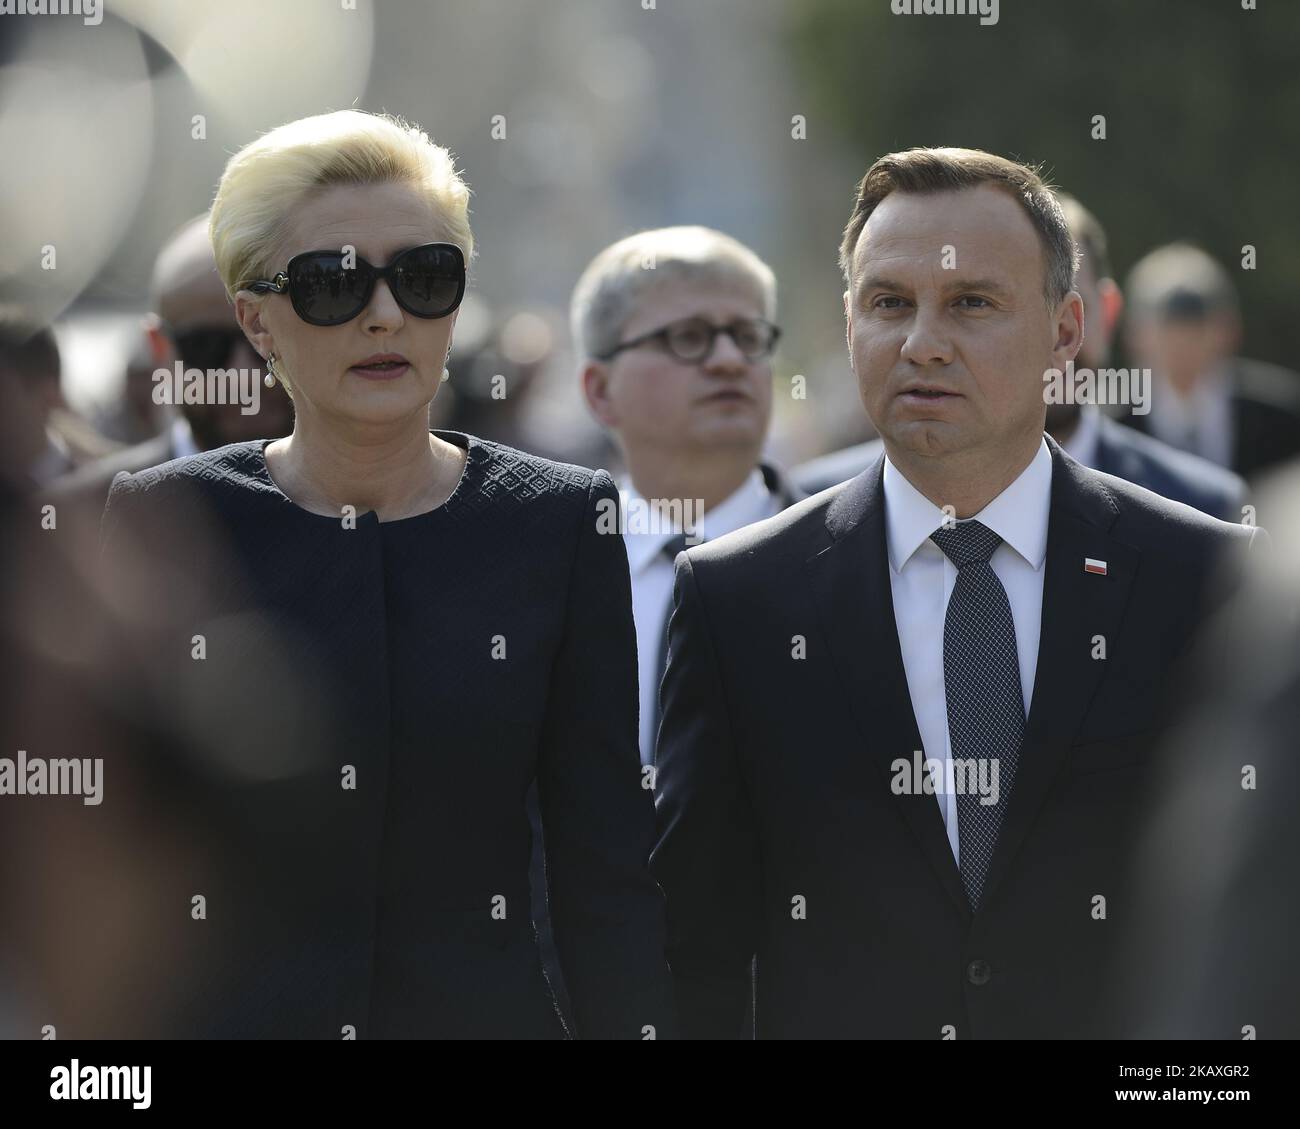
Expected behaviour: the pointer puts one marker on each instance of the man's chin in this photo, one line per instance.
(926, 437)
(738, 430)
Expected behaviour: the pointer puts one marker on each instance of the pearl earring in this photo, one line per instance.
(445, 375)
(269, 378)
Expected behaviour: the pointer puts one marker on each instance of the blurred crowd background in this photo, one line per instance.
(579, 122)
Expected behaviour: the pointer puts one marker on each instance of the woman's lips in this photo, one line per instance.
(386, 370)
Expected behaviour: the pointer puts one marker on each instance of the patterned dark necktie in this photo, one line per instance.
(986, 711)
(671, 548)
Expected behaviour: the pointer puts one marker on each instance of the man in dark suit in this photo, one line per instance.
(1184, 324)
(1088, 434)
(905, 721)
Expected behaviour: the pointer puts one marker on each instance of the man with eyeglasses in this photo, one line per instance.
(674, 328)
(192, 322)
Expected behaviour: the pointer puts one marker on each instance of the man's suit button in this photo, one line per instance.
(978, 972)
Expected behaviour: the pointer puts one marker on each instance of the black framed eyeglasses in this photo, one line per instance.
(426, 281)
(692, 339)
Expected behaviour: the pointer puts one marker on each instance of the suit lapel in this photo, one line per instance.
(1077, 607)
(850, 584)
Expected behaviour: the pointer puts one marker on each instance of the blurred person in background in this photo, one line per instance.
(498, 390)
(91, 943)
(42, 438)
(134, 417)
(1214, 940)
(402, 630)
(193, 323)
(1184, 323)
(1085, 432)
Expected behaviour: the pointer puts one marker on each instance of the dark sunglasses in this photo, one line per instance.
(426, 281)
(692, 339)
(205, 347)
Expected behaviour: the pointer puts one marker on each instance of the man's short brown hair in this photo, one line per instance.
(947, 170)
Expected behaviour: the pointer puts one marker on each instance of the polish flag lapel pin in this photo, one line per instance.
(1097, 568)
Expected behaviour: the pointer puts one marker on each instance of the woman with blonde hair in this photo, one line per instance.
(403, 630)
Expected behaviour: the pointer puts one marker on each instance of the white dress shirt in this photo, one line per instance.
(1200, 422)
(652, 582)
(922, 580)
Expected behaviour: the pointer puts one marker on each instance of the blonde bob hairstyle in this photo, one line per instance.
(268, 179)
